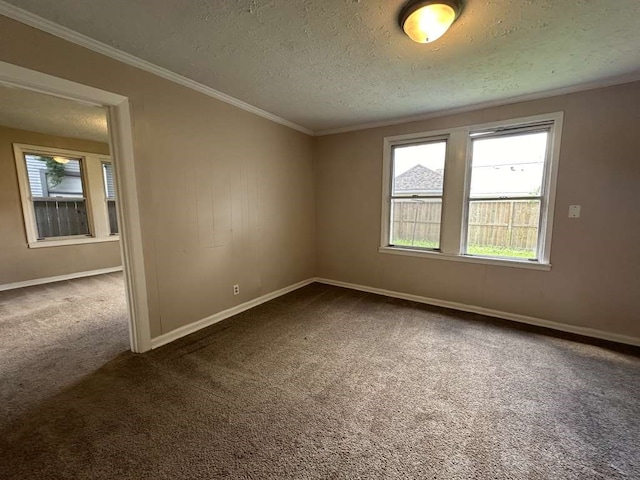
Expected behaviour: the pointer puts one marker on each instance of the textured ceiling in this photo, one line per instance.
(325, 64)
(36, 112)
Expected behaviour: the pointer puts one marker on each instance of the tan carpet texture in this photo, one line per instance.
(328, 383)
(55, 334)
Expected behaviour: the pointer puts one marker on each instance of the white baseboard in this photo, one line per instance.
(218, 317)
(587, 332)
(58, 278)
(205, 322)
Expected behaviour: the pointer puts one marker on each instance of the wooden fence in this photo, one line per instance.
(506, 223)
(113, 216)
(61, 217)
(416, 222)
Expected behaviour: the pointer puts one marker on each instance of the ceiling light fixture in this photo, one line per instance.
(426, 21)
(61, 160)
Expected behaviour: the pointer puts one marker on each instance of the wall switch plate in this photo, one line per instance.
(574, 211)
(236, 289)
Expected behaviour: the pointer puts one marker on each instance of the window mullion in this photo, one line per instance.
(504, 199)
(453, 198)
(414, 197)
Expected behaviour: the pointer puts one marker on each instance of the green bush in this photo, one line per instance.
(482, 250)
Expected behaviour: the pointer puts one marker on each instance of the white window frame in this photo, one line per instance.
(457, 178)
(391, 197)
(95, 197)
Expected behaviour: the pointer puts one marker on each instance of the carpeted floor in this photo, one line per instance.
(54, 335)
(330, 383)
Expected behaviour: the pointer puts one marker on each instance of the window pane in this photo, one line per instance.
(508, 166)
(110, 193)
(61, 217)
(503, 228)
(109, 186)
(416, 222)
(419, 169)
(54, 176)
(113, 217)
(58, 195)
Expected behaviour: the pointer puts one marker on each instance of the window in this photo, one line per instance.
(496, 204)
(61, 199)
(110, 195)
(57, 195)
(416, 194)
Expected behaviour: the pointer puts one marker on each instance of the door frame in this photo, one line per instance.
(121, 137)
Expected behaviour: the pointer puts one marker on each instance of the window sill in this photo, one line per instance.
(72, 241)
(432, 255)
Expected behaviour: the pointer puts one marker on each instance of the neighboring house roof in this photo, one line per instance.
(419, 179)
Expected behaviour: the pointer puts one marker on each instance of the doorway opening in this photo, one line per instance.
(72, 283)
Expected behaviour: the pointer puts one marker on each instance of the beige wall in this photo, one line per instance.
(226, 197)
(18, 262)
(595, 278)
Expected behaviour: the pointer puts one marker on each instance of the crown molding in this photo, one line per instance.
(72, 36)
(609, 82)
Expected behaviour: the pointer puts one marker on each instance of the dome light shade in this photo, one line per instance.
(61, 160)
(427, 21)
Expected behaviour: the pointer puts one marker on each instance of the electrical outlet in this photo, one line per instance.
(236, 289)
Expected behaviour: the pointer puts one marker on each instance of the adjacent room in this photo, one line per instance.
(319, 239)
(62, 297)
